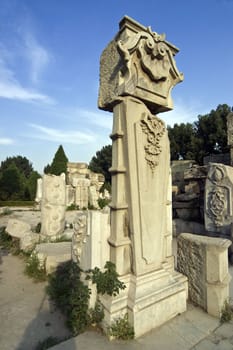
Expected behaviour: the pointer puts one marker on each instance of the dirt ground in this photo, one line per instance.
(26, 315)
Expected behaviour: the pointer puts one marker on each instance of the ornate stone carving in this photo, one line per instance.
(79, 236)
(154, 128)
(216, 205)
(138, 63)
(53, 205)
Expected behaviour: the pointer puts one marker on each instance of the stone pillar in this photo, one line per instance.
(204, 260)
(39, 191)
(230, 135)
(90, 246)
(53, 206)
(137, 74)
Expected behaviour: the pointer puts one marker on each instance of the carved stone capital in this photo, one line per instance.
(138, 63)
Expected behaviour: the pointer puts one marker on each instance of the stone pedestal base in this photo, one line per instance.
(150, 300)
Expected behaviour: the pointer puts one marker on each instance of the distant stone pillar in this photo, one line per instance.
(39, 191)
(230, 135)
(81, 192)
(137, 74)
(53, 206)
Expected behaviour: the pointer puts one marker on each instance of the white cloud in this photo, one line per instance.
(37, 56)
(61, 136)
(183, 112)
(101, 119)
(10, 88)
(6, 141)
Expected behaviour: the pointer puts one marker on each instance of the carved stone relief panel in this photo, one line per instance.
(218, 198)
(79, 236)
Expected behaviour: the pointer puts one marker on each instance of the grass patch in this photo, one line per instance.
(34, 270)
(17, 203)
(226, 312)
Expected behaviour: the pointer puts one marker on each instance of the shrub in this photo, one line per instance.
(72, 207)
(70, 295)
(226, 312)
(107, 281)
(121, 329)
(34, 270)
(103, 202)
(96, 314)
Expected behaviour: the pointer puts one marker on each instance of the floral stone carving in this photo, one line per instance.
(79, 236)
(154, 128)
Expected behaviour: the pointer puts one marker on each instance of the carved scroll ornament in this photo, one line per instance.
(216, 205)
(154, 128)
(154, 56)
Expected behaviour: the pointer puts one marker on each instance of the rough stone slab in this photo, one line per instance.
(51, 255)
(18, 228)
(54, 249)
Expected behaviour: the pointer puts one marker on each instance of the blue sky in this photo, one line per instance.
(49, 68)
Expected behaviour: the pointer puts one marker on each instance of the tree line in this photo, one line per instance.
(192, 141)
(207, 135)
(18, 179)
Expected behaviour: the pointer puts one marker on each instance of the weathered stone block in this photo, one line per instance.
(51, 255)
(204, 261)
(18, 228)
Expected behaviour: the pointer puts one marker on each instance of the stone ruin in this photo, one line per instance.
(204, 208)
(137, 74)
(82, 187)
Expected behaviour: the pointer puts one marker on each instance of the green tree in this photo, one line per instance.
(102, 161)
(59, 163)
(22, 163)
(11, 186)
(47, 169)
(211, 132)
(32, 184)
(182, 141)
(208, 135)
